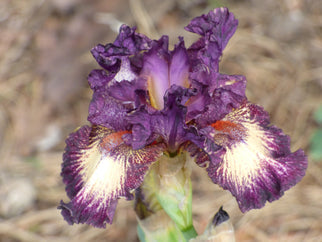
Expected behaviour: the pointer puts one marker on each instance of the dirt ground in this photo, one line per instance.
(44, 95)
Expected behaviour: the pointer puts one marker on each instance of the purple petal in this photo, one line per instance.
(163, 68)
(166, 126)
(197, 105)
(226, 92)
(219, 23)
(98, 168)
(126, 44)
(170, 122)
(141, 128)
(107, 111)
(216, 28)
(156, 71)
(114, 97)
(127, 91)
(99, 79)
(255, 163)
(233, 83)
(75, 212)
(179, 66)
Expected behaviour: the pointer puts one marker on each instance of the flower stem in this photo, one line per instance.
(189, 233)
(164, 201)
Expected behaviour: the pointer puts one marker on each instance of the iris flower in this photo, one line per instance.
(150, 101)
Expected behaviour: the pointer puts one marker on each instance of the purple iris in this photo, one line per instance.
(150, 101)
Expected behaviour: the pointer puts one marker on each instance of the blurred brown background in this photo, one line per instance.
(44, 63)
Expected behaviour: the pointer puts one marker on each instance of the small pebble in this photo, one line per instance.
(16, 196)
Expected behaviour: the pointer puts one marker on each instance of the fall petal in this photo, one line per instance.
(255, 163)
(99, 168)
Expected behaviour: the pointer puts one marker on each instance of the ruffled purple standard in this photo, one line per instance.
(163, 68)
(149, 100)
(215, 28)
(127, 43)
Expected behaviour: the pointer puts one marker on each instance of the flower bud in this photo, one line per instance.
(219, 229)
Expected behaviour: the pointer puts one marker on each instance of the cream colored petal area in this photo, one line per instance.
(110, 169)
(103, 176)
(244, 160)
(125, 72)
(248, 152)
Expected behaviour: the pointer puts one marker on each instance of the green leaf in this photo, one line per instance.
(141, 234)
(190, 233)
(159, 228)
(316, 145)
(318, 115)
